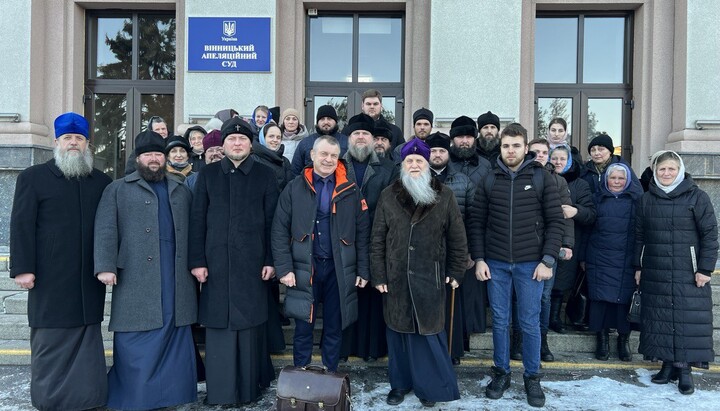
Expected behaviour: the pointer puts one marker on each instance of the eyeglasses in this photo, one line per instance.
(214, 150)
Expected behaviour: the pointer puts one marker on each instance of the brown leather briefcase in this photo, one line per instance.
(312, 388)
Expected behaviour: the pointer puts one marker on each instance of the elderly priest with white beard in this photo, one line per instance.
(418, 245)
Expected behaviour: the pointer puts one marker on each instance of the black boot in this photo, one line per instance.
(623, 347)
(499, 384)
(666, 374)
(535, 394)
(602, 352)
(545, 353)
(516, 346)
(556, 323)
(685, 383)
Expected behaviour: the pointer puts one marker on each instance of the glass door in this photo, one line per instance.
(348, 54)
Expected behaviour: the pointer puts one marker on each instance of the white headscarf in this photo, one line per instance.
(681, 172)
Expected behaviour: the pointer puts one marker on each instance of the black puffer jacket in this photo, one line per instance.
(581, 198)
(513, 225)
(461, 186)
(475, 167)
(676, 314)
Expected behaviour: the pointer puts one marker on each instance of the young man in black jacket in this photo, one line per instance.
(515, 229)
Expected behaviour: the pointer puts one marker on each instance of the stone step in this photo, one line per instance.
(573, 342)
(16, 303)
(15, 327)
(7, 283)
(17, 352)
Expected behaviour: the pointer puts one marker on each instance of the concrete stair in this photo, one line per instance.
(572, 347)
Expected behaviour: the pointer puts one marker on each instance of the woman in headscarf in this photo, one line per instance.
(608, 259)
(582, 212)
(675, 254)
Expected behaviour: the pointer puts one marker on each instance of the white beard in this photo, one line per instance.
(419, 187)
(73, 165)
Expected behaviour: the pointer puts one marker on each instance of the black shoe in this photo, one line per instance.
(396, 396)
(623, 347)
(456, 361)
(685, 382)
(602, 352)
(556, 323)
(545, 354)
(666, 374)
(499, 384)
(427, 403)
(535, 394)
(582, 327)
(516, 346)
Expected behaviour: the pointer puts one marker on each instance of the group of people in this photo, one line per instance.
(378, 231)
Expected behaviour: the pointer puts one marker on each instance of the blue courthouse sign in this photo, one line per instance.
(228, 44)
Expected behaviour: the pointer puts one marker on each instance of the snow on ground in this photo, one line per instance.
(595, 393)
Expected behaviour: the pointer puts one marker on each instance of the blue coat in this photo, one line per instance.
(609, 253)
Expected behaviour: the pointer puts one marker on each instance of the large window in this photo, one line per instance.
(583, 71)
(350, 53)
(130, 77)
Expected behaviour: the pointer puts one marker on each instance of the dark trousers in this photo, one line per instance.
(325, 291)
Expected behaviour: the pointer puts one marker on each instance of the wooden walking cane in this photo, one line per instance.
(452, 318)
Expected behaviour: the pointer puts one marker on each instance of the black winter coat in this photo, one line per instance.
(513, 225)
(51, 235)
(609, 253)
(230, 225)
(276, 161)
(292, 244)
(461, 186)
(379, 174)
(413, 249)
(475, 167)
(676, 236)
(581, 199)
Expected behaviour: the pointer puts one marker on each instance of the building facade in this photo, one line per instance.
(647, 72)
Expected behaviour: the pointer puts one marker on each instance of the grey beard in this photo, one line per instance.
(488, 145)
(73, 165)
(149, 175)
(360, 154)
(419, 187)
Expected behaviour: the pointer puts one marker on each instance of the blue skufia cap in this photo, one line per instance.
(71, 123)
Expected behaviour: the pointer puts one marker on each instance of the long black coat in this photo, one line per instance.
(51, 235)
(413, 249)
(230, 225)
(292, 244)
(676, 314)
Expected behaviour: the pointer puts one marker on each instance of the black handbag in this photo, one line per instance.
(635, 305)
(577, 306)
